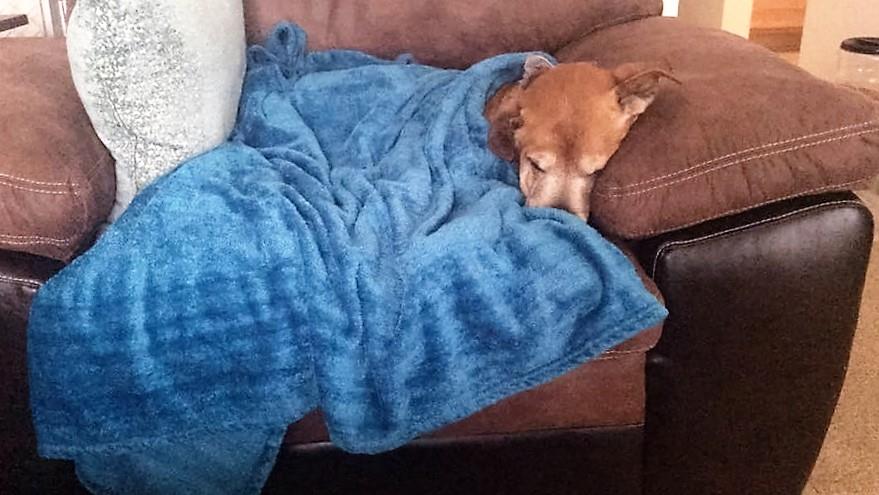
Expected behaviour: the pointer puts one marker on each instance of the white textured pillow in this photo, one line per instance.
(160, 80)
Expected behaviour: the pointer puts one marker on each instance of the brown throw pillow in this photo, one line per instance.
(449, 33)
(744, 128)
(56, 178)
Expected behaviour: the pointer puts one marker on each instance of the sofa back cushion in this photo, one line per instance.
(450, 33)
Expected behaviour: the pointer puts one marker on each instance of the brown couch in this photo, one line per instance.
(732, 396)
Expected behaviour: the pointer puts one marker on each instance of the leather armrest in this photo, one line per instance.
(744, 380)
(57, 181)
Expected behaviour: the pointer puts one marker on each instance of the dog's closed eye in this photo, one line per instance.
(540, 161)
(535, 165)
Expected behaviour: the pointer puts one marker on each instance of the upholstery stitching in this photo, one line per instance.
(610, 354)
(9, 177)
(20, 281)
(30, 181)
(89, 174)
(27, 240)
(33, 239)
(733, 230)
(736, 162)
(734, 211)
(739, 153)
(41, 191)
(40, 240)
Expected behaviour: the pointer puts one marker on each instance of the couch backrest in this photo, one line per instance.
(451, 33)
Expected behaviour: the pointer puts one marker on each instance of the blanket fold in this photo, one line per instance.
(354, 247)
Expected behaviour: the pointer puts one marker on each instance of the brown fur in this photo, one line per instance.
(561, 124)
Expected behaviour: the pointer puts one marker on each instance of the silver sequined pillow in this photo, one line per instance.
(160, 80)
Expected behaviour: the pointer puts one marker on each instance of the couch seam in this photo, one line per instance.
(33, 284)
(609, 23)
(97, 166)
(311, 443)
(82, 215)
(736, 162)
(738, 153)
(732, 230)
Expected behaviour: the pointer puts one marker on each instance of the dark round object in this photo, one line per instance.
(866, 46)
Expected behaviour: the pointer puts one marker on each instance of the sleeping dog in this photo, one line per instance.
(560, 124)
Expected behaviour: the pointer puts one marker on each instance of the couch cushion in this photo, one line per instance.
(745, 128)
(452, 33)
(56, 178)
(606, 391)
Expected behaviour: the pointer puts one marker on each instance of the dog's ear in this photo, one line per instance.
(502, 113)
(503, 109)
(637, 85)
(534, 66)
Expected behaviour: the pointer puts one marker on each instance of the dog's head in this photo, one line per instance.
(562, 123)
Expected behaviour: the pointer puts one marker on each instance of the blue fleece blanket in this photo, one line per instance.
(354, 247)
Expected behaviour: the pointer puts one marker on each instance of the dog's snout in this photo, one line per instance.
(571, 194)
(550, 202)
(576, 206)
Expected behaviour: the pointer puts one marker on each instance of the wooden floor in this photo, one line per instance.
(778, 39)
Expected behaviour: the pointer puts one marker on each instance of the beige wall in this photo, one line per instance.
(730, 15)
(737, 16)
(828, 22)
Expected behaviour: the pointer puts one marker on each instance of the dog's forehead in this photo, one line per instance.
(569, 91)
(578, 76)
(571, 111)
